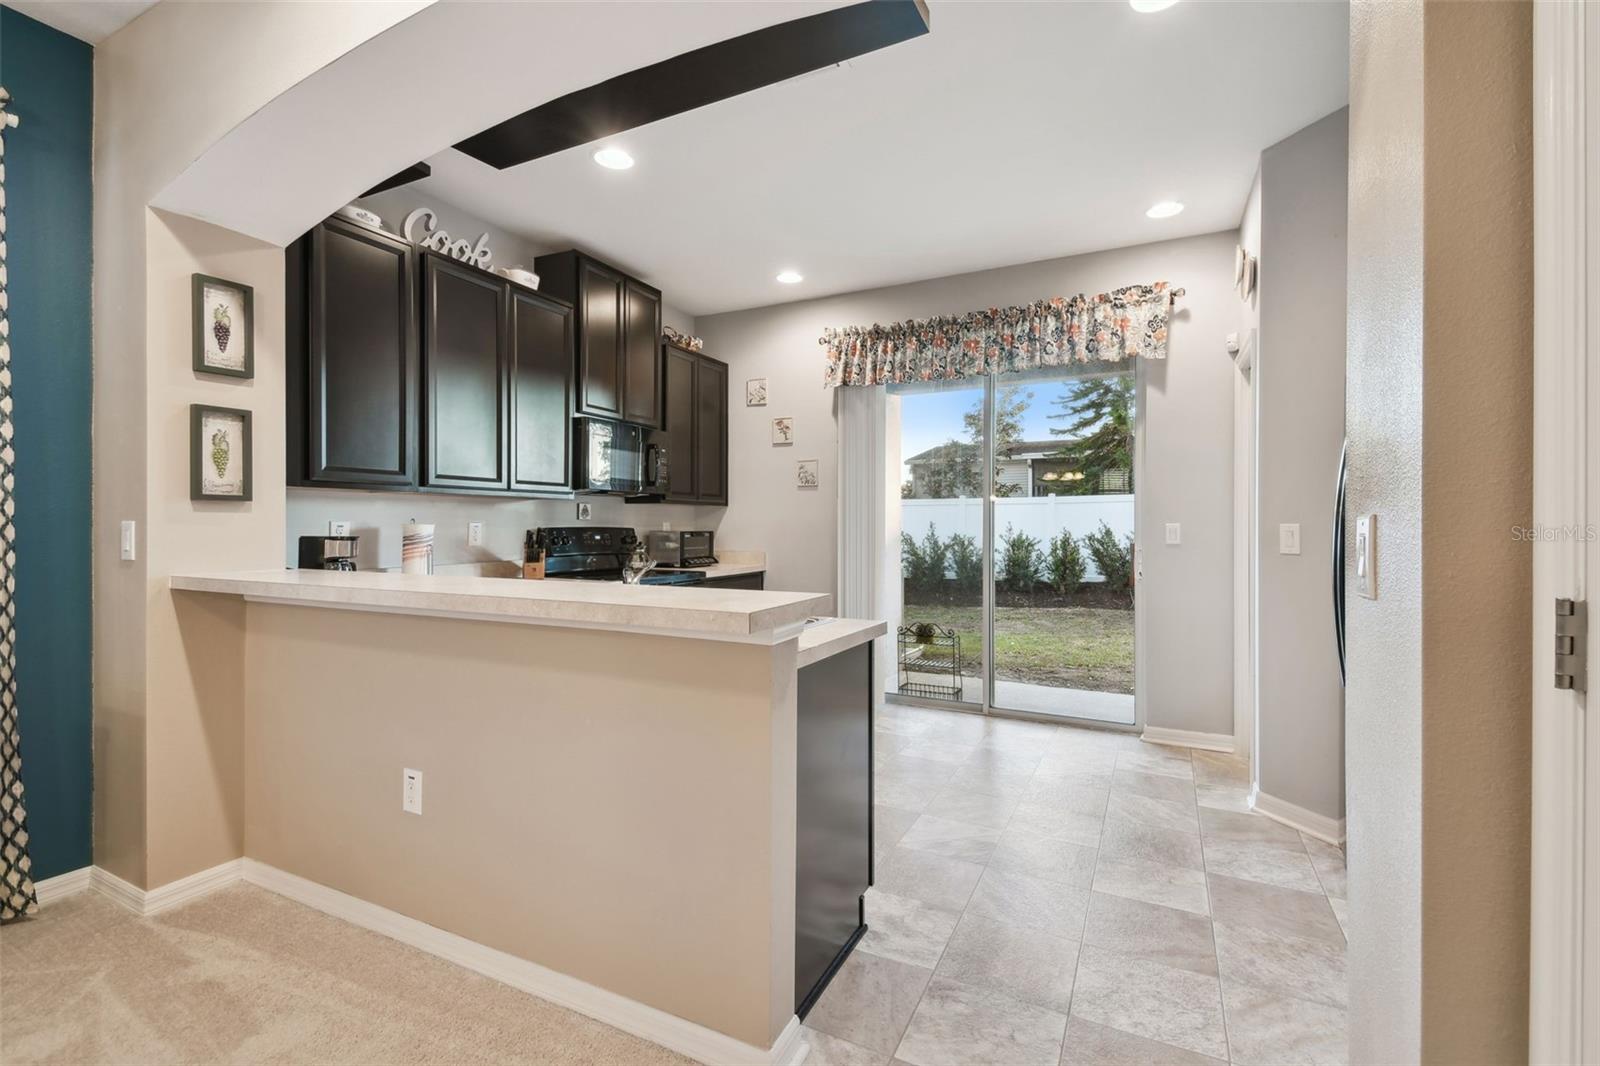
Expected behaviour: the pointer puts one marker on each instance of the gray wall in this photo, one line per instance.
(1298, 380)
(1187, 603)
(1439, 410)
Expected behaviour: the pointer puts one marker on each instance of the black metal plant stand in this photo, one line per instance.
(932, 652)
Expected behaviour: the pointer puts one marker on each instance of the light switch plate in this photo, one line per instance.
(1174, 533)
(1289, 538)
(1367, 555)
(130, 542)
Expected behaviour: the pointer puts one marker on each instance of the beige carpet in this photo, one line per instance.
(246, 976)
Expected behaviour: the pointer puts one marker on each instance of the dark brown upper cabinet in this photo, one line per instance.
(641, 354)
(541, 392)
(618, 336)
(352, 358)
(466, 371)
(696, 408)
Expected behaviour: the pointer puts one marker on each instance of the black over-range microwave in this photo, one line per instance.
(620, 458)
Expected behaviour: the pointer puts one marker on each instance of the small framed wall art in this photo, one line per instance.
(224, 327)
(805, 474)
(783, 431)
(755, 392)
(219, 453)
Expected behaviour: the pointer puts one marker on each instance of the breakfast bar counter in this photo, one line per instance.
(636, 789)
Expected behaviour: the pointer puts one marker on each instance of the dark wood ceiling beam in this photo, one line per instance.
(415, 172)
(694, 79)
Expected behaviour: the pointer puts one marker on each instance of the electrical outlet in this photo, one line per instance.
(339, 529)
(584, 512)
(411, 791)
(1174, 533)
(474, 534)
(129, 542)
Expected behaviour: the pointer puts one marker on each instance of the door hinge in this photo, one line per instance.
(1572, 632)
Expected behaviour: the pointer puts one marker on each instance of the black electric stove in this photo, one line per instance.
(598, 553)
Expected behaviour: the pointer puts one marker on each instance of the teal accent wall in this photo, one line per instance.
(50, 77)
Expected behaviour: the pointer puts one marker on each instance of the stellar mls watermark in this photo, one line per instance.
(1539, 534)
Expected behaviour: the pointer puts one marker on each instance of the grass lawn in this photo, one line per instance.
(1063, 647)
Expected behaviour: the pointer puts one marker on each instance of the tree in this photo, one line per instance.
(1101, 430)
(1010, 403)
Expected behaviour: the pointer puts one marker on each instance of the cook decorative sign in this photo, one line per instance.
(435, 238)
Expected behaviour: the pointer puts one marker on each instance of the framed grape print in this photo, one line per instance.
(219, 453)
(224, 327)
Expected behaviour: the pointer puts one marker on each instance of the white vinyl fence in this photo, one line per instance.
(1039, 516)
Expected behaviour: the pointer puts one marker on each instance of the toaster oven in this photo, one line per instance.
(681, 549)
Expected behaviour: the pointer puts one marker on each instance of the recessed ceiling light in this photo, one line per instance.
(791, 277)
(613, 159)
(1150, 7)
(1165, 209)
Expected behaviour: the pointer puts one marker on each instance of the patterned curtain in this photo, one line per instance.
(17, 896)
(1109, 327)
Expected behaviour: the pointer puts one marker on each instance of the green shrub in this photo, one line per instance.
(967, 562)
(1021, 562)
(1065, 563)
(1113, 556)
(923, 564)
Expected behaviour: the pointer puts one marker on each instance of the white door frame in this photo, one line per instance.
(1564, 1024)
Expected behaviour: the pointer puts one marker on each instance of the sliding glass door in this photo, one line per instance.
(1017, 545)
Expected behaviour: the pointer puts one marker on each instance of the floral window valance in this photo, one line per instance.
(1109, 327)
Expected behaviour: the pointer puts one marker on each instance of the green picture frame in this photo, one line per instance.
(223, 346)
(221, 459)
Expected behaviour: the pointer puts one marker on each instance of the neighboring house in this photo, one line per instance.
(1032, 467)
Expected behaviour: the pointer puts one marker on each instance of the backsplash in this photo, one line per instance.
(376, 517)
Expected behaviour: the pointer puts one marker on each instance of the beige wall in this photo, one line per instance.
(1440, 433)
(164, 92)
(633, 828)
(1187, 599)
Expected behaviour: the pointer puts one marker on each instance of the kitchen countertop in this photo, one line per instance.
(741, 615)
(831, 636)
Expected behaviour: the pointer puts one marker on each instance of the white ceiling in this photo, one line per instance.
(87, 20)
(1013, 132)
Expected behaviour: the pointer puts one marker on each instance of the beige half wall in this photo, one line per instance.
(616, 807)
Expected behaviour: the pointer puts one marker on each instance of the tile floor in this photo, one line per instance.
(1048, 894)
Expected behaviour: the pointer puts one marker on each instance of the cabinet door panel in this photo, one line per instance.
(711, 431)
(465, 356)
(541, 448)
(641, 343)
(679, 370)
(361, 359)
(600, 355)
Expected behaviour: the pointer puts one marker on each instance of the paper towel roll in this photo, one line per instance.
(416, 548)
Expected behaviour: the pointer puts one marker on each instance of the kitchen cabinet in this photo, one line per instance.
(696, 413)
(740, 581)
(466, 362)
(541, 392)
(351, 358)
(618, 333)
(641, 354)
(833, 816)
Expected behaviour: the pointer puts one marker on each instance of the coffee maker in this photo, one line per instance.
(328, 553)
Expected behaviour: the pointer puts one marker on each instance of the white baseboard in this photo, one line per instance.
(683, 1036)
(1185, 738)
(1312, 824)
(63, 885)
(154, 901)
